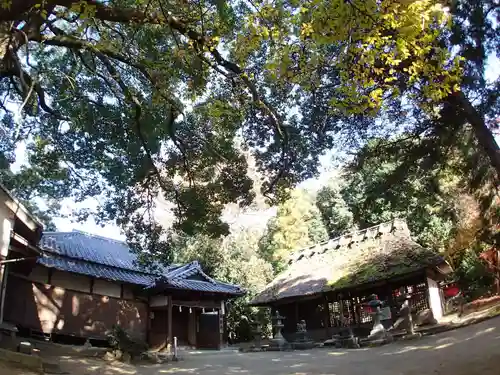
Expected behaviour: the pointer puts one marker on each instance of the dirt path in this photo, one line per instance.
(473, 350)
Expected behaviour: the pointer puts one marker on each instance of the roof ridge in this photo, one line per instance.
(84, 233)
(396, 223)
(98, 236)
(75, 259)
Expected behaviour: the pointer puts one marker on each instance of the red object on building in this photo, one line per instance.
(451, 291)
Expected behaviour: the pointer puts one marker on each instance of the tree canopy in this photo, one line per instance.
(297, 224)
(125, 99)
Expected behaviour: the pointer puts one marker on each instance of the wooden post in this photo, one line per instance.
(148, 322)
(341, 308)
(3, 288)
(296, 312)
(498, 271)
(169, 321)
(326, 314)
(221, 324)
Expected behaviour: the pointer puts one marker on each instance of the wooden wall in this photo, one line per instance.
(158, 333)
(67, 307)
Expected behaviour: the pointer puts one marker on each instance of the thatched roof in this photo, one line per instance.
(362, 257)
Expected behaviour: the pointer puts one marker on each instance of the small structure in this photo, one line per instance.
(326, 284)
(405, 320)
(344, 337)
(257, 334)
(278, 342)
(378, 334)
(302, 341)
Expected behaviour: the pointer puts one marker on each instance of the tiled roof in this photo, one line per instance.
(109, 259)
(362, 257)
(84, 246)
(96, 270)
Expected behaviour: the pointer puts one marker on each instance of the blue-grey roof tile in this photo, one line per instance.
(205, 286)
(84, 246)
(97, 270)
(106, 258)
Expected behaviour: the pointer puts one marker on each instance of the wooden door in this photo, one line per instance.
(208, 331)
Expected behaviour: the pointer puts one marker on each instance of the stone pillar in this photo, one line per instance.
(435, 302)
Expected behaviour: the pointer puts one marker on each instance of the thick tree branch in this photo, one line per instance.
(138, 114)
(483, 134)
(142, 16)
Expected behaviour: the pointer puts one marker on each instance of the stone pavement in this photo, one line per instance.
(472, 350)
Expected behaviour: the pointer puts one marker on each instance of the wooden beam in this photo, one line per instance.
(197, 303)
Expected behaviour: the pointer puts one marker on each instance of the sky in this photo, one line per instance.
(247, 219)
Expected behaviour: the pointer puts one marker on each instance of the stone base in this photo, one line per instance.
(25, 347)
(30, 362)
(253, 349)
(381, 338)
(277, 348)
(411, 336)
(302, 345)
(374, 343)
(278, 345)
(349, 342)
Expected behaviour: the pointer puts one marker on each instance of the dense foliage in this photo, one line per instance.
(233, 259)
(296, 225)
(450, 206)
(126, 99)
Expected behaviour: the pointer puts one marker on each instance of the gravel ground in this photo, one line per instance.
(473, 350)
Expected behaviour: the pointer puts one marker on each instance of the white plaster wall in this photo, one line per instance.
(157, 301)
(6, 224)
(39, 274)
(71, 281)
(107, 288)
(435, 299)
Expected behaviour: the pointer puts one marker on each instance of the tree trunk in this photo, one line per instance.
(4, 40)
(483, 133)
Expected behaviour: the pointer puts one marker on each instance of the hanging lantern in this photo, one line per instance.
(180, 308)
(203, 310)
(190, 310)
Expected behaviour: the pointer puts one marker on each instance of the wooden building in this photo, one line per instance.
(328, 283)
(19, 236)
(77, 285)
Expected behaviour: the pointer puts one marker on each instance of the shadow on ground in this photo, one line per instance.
(467, 351)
